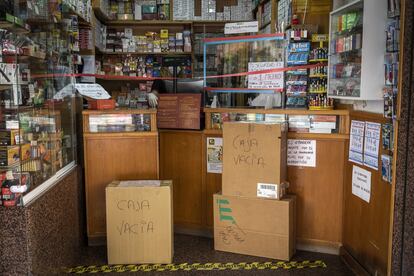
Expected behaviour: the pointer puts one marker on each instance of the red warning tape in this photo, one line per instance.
(115, 77)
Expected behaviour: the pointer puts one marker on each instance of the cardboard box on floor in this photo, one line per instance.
(253, 154)
(254, 226)
(139, 222)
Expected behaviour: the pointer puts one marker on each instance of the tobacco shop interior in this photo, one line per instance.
(206, 137)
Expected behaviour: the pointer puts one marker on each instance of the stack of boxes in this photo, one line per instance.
(253, 215)
(213, 10)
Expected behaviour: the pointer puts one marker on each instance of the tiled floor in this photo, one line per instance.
(191, 249)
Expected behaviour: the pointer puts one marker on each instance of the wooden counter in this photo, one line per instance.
(115, 156)
(319, 190)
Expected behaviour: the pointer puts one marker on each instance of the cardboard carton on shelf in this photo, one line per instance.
(254, 226)
(253, 154)
(139, 222)
(101, 104)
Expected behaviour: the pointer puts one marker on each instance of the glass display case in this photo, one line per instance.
(356, 52)
(230, 86)
(118, 121)
(298, 122)
(37, 135)
(346, 51)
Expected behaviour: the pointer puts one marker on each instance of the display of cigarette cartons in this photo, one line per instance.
(254, 226)
(253, 153)
(139, 222)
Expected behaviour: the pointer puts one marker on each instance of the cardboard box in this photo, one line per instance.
(101, 104)
(139, 222)
(254, 226)
(253, 153)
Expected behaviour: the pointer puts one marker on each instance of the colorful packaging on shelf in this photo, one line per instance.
(9, 155)
(9, 137)
(387, 137)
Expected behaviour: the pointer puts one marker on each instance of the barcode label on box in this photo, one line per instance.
(267, 190)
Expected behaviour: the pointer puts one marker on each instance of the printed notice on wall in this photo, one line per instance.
(214, 155)
(241, 27)
(371, 144)
(301, 153)
(356, 143)
(265, 81)
(361, 183)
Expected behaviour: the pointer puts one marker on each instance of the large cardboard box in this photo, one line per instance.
(254, 226)
(139, 222)
(253, 154)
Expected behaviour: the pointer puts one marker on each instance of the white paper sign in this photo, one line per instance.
(93, 90)
(270, 81)
(67, 91)
(356, 142)
(241, 27)
(301, 153)
(214, 155)
(371, 144)
(361, 183)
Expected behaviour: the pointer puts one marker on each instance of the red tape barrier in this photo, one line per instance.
(115, 77)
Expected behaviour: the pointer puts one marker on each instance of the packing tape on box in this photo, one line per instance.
(197, 266)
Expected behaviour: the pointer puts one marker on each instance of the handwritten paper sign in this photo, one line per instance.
(371, 145)
(214, 155)
(301, 153)
(241, 27)
(93, 90)
(266, 81)
(356, 142)
(361, 183)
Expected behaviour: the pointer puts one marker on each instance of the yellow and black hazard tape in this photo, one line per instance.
(196, 266)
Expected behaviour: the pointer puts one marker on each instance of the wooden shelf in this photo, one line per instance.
(12, 27)
(294, 135)
(5, 87)
(171, 54)
(122, 78)
(82, 21)
(120, 111)
(338, 112)
(103, 135)
(102, 17)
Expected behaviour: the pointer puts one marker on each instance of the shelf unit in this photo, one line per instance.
(364, 56)
(40, 126)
